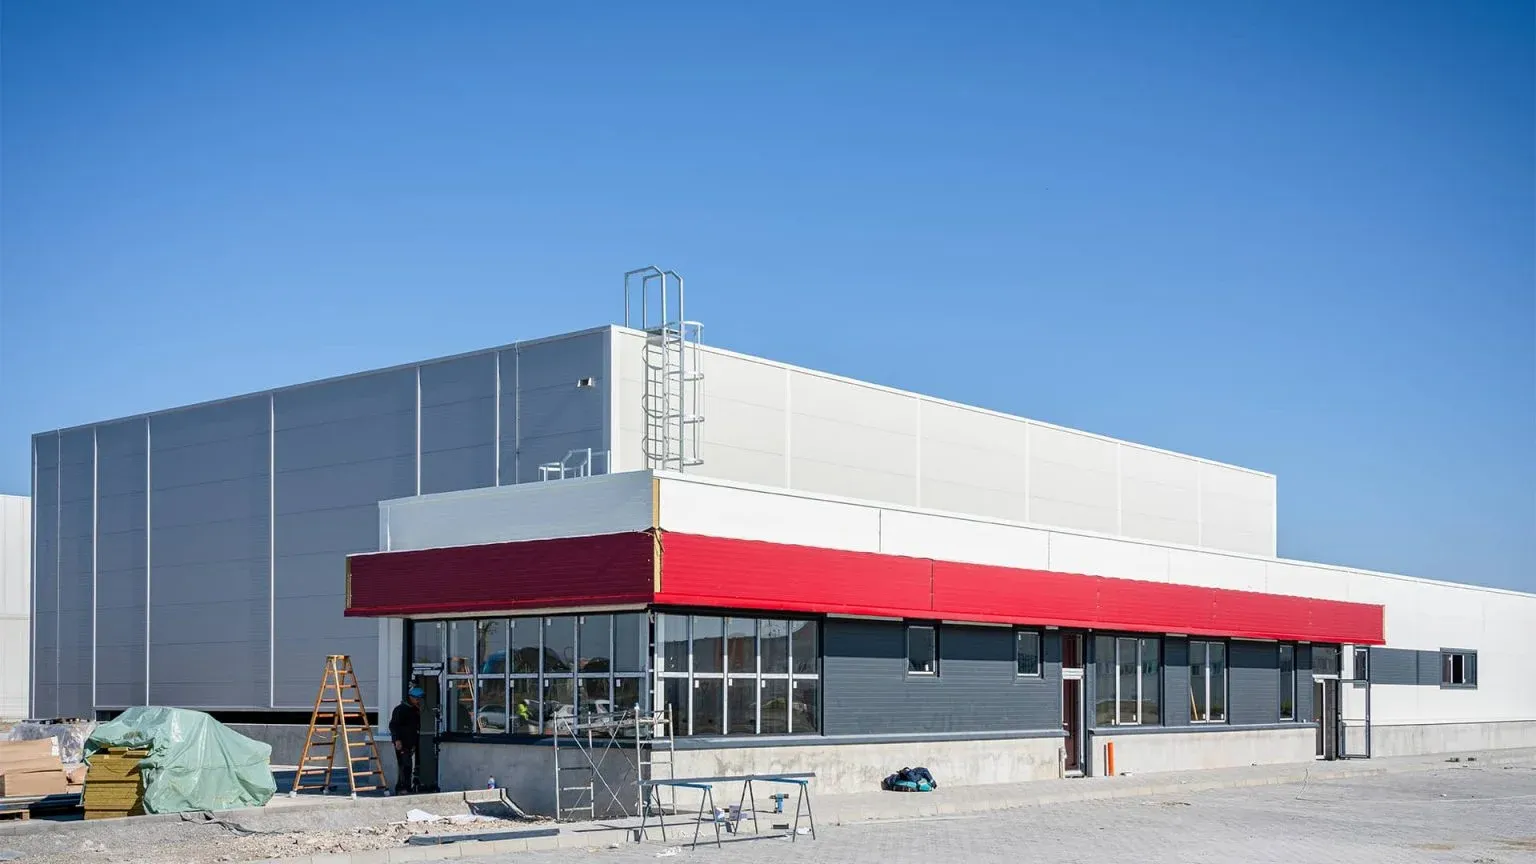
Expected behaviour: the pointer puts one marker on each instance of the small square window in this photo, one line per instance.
(922, 650)
(1458, 668)
(1027, 653)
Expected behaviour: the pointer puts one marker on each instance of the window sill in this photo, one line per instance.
(1458, 686)
(724, 742)
(1200, 727)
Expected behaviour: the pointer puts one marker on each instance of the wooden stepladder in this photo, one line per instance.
(340, 737)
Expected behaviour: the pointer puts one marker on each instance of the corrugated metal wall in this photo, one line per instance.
(866, 689)
(775, 425)
(15, 605)
(233, 520)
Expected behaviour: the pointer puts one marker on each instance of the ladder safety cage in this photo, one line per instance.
(671, 401)
(593, 767)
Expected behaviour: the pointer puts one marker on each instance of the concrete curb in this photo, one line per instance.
(853, 809)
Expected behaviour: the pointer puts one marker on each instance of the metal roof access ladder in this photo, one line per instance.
(674, 372)
(340, 738)
(593, 756)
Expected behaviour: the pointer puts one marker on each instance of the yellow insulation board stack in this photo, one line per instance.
(113, 787)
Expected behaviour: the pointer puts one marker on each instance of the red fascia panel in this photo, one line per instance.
(723, 573)
(609, 569)
(746, 574)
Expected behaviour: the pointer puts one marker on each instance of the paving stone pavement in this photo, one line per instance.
(1470, 814)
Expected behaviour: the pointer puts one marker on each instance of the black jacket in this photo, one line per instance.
(405, 724)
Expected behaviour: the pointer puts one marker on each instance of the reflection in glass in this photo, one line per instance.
(708, 706)
(741, 707)
(596, 642)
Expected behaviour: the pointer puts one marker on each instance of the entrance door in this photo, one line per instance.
(1072, 722)
(1072, 702)
(1325, 713)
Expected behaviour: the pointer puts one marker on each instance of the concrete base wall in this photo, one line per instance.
(846, 768)
(527, 773)
(287, 740)
(1451, 737)
(1184, 751)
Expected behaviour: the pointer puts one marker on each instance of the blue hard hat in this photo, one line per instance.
(417, 692)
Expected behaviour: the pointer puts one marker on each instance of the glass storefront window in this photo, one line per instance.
(427, 641)
(775, 646)
(629, 642)
(805, 714)
(803, 648)
(775, 707)
(595, 638)
(559, 645)
(741, 645)
(708, 706)
(523, 638)
(672, 642)
(708, 644)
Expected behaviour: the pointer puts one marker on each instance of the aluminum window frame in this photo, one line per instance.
(1287, 688)
(933, 630)
(683, 719)
(1448, 663)
(1206, 677)
(1138, 642)
(1039, 639)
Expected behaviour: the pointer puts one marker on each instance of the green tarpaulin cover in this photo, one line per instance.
(194, 763)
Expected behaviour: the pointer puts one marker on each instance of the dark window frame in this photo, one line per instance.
(907, 630)
(1468, 658)
(1280, 650)
(1039, 672)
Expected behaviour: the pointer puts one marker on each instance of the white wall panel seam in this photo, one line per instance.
(418, 430)
(611, 406)
(789, 415)
(1119, 491)
(497, 426)
(1028, 471)
(917, 451)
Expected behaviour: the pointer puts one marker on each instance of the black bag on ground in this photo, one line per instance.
(910, 780)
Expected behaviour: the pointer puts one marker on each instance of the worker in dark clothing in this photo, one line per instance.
(405, 730)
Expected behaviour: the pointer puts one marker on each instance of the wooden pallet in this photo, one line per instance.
(340, 740)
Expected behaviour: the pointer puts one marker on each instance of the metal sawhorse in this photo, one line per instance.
(651, 801)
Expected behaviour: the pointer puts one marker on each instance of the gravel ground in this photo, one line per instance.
(211, 842)
(1466, 815)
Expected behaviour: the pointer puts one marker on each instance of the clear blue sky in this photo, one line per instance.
(1295, 236)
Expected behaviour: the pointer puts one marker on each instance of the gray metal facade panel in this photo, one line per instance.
(121, 556)
(1394, 666)
(552, 415)
(1175, 707)
(867, 689)
(45, 575)
(341, 447)
(1429, 668)
(1253, 675)
(458, 424)
(209, 574)
(76, 529)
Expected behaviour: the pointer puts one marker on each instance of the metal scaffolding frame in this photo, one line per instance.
(591, 757)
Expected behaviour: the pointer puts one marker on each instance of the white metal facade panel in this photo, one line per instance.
(771, 424)
(773, 517)
(1420, 614)
(577, 507)
(852, 440)
(1159, 496)
(15, 605)
(973, 462)
(1099, 556)
(922, 535)
(1237, 510)
(1072, 480)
